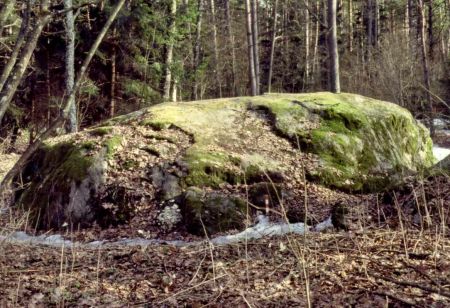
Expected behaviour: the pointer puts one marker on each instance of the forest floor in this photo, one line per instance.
(396, 254)
(398, 262)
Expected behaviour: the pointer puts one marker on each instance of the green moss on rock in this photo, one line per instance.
(101, 131)
(212, 212)
(53, 170)
(112, 144)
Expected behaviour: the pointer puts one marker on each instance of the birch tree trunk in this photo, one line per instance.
(71, 124)
(169, 52)
(14, 78)
(333, 54)
(251, 54)
(272, 45)
(216, 49)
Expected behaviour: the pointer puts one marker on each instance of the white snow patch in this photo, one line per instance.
(440, 153)
(326, 224)
(262, 229)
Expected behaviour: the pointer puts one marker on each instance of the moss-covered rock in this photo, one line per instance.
(60, 179)
(339, 140)
(212, 212)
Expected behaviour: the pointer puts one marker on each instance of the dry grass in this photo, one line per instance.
(396, 261)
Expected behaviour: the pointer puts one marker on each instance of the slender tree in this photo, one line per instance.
(169, 51)
(250, 46)
(216, 48)
(5, 12)
(59, 121)
(229, 30)
(71, 123)
(272, 44)
(14, 78)
(197, 44)
(255, 43)
(17, 46)
(425, 63)
(333, 54)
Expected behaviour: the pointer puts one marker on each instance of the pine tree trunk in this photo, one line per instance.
(169, 52)
(272, 45)
(14, 78)
(72, 124)
(333, 48)
(216, 49)
(251, 54)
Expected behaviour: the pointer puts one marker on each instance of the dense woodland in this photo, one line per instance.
(188, 50)
(343, 196)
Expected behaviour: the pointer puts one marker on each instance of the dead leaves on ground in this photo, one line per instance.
(374, 268)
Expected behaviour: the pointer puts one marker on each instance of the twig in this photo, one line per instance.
(431, 289)
(188, 289)
(396, 297)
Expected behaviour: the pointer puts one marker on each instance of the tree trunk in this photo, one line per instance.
(410, 23)
(17, 46)
(169, 52)
(350, 25)
(333, 48)
(425, 65)
(251, 54)
(6, 10)
(216, 49)
(198, 32)
(370, 18)
(307, 46)
(62, 117)
(376, 23)
(272, 45)
(315, 61)
(72, 124)
(430, 30)
(14, 78)
(112, 109)
(255, 39)
(231, 42)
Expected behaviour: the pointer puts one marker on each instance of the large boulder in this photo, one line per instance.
(198, 155)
